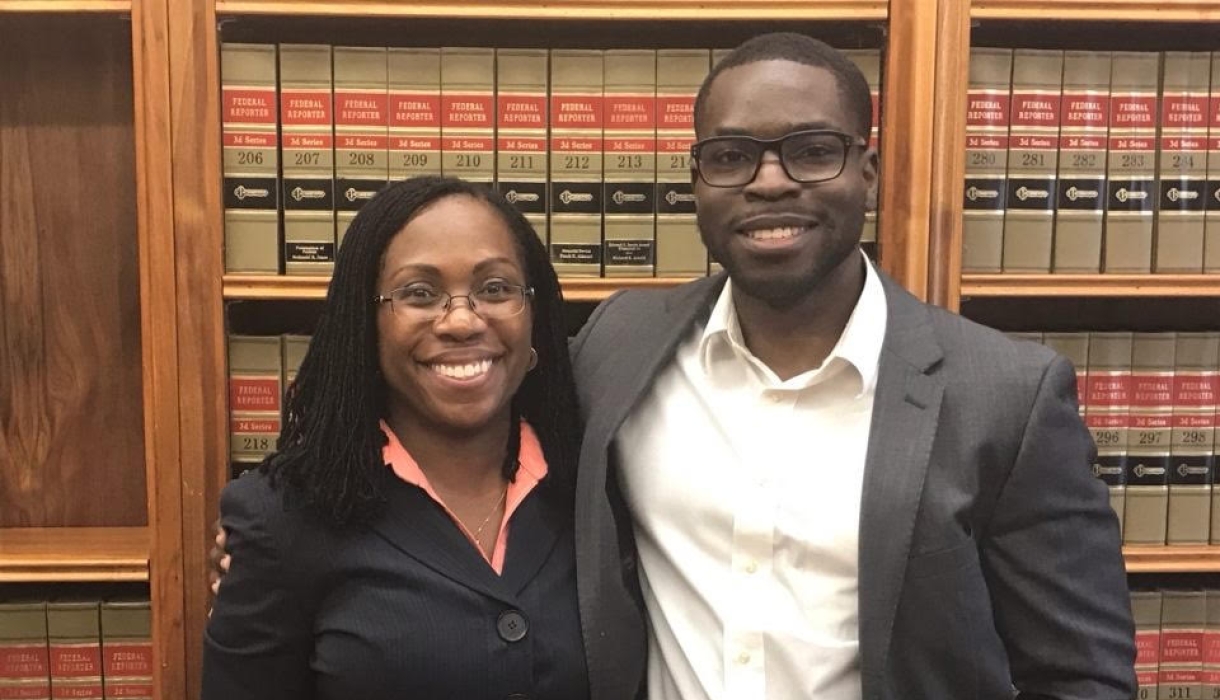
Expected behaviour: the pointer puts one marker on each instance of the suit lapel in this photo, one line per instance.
(906, 409)
(533, 532)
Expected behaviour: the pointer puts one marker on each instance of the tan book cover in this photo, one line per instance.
(74, 639)
(680, 249)
(1146, 610)
(630, 162)
(1075, 347)
(1211, 233)
(1148, 440)
(1183, 619)
(1084, 125)
(575, 200)
(468, 90)
(987, 121)
(362, 157)
(415, 112)
(307, 138)
(1192, 464)
(521, 123)
(293, 349)
(255, 391)
(25, 666)
(1033, 160)
(1183, 162)
(869, 63)
(1108, 400)
(127, 650)
(1211, 646)
(1131, 165)
(250, 158)
(712, 266)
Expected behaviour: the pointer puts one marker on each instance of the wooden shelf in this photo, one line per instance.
(66, 6)
(1090, 285)
(1099, 10)
(650, 10)
(65, 554)
(286, 287)
(1154, 559)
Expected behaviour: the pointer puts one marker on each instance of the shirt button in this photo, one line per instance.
(751, 567)
(512, 626)
(743, 658)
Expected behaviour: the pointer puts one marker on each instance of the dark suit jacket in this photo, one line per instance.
(990, 559)
(403, 609)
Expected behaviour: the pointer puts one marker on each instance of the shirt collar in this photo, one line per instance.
(530, 457)
(859, 345)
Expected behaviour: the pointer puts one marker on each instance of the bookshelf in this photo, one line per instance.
(65, 6)
(74, 554)
(1012, 285)
(645, 10)
(1165, 560)
(1098, 10)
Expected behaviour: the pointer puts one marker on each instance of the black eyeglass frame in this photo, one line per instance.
(527, 293)
(777, 145)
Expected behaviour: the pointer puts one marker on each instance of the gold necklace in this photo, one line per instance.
(477, 533)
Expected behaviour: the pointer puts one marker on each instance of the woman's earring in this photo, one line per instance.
(533, 359)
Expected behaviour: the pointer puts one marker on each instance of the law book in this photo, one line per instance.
(1183, 619)
(25, 666)
(1148, 440)
(307, 141)
(255, 392)
(74, 641)
(250, 158)
(1211, 646)
(1033, 160)
(293, 349)
(1211, 233)
(414, 76)
(630, 162)
(1193, 463)
(362, 158)
(987, 122)
(521, 123)
(1146, 611)
(1131, 166)
(680, 249)
(1182, 162)
(1075, 347)
(1084, 126)
(575, 200)
(869, 63)
(1108, 400)
(712, 266)
(127, 650)
(468, 89)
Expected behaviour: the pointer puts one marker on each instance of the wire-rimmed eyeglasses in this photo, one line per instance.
(424, 303)
(806, 156)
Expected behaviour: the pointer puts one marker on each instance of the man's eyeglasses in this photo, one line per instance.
(421, 302)
(806, 156)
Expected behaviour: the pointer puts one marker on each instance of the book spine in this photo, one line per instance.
(1075, 347)
(25, 666)
(577, 120)
(1108, 403)
(1180, 666)
(1211, 234)
(468, 77)
(75, 651)
(307, 126)
(521, 122)
(250, 158)
(414, 76)
(1146, 610)
(1211, 646)
(255, 392)
(127, 651)
(1194, 426)
(680, 249)
(629, 166)
(361, 131)
(1082, 162)
(1183, 162)
(1033, 159)
(1148, 441)
(1131, 167)
(987, 122)
(869, 63)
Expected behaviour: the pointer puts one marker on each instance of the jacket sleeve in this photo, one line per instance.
(1053, 560)
(258, 640)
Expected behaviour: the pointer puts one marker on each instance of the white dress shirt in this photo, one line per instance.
(745, 492)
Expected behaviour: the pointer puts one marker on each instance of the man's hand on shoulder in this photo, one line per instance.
(219, 559)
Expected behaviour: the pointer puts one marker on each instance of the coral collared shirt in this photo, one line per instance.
(532, 469)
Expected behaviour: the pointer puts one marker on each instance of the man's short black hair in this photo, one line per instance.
(798, 48)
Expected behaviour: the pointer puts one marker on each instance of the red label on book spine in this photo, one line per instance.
(537, 145)
(632, 145)
(360, 109)
(248, 105)
(521, 111)
(1035, 109)
(467, 143)
(631, 112)
(576, 111)
(75, 660)
(367, 142)
(466, 110)
(22, 661)
(305, 108)
(128, 659)
(576, 145)
(675, 111)
(415, 143)
(1184, 111)
(254, 394)
(987, 109)
(412, 109)
(1133, 111)
(1086, 110)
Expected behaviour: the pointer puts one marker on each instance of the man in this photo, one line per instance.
(800, 481)
(836, 492)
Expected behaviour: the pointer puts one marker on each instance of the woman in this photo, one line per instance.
(412, 538)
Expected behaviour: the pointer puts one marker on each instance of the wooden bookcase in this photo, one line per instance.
(147, 204)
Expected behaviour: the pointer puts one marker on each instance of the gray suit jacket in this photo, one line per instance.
(990, 560)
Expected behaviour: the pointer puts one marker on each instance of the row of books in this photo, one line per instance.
(1150, 402)
(83, 649)
(1092, 161)
(1177, 640)
(593, 147)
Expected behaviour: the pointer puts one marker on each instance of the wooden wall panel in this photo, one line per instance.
(71, 406)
